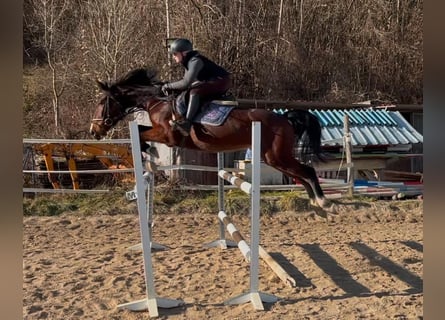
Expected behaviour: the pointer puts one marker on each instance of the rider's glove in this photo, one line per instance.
(165, 88)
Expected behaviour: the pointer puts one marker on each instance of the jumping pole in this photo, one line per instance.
(221, 242)
(245, 250)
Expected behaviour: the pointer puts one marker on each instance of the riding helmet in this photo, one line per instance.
(180, 45)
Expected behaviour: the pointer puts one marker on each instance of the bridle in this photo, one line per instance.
(109, 121)
(123, 112)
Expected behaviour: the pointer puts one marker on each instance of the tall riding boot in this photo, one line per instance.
(184, 126)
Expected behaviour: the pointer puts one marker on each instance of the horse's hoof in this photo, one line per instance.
(322, 202)
(327, 205)
(153, 151)
(151, 166)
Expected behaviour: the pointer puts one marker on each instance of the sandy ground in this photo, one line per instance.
(364, 263)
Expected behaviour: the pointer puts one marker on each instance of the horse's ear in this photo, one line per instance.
(103, 85)
(115, 90)
(112, 90)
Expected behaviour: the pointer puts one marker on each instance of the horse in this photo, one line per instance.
(140, 89)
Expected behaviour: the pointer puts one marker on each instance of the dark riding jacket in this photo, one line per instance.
(197, 68)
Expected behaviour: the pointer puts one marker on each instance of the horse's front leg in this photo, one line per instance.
(145, 146)
(155, 134)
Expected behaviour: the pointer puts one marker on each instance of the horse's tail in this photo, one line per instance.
(307, 130)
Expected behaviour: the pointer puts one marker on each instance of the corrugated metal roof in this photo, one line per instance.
(368, 127)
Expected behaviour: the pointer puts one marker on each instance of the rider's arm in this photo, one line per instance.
(191, 75)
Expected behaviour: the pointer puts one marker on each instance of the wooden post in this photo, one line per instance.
(350, 169)
(73, 174)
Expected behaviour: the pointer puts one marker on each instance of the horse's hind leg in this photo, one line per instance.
(309, 176)
(277, 143)
(304, 173)
(307, 187)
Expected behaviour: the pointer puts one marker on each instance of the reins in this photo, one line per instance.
(107, 119)
(156, 104)
(170, 105)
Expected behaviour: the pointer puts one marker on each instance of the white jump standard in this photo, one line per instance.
(151, 302)
(221, 242)
(254, 295)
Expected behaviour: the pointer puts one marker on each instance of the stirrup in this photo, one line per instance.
(178, 125)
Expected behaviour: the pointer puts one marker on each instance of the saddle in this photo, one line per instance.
(212, 112)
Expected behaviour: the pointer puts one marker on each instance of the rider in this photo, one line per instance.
(203, 79)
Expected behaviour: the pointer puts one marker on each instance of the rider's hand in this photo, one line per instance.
(165, 89)
(158, 88)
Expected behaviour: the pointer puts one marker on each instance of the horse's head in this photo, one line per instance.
(121, 98)
(108, 111)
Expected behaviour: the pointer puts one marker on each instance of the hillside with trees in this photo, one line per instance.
(318, 50)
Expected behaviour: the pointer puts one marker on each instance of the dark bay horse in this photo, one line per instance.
(140, 89)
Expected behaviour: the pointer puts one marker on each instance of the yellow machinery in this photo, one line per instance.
(112, 156)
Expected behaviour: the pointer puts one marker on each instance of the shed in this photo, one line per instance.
(370, 129)
(381, 139)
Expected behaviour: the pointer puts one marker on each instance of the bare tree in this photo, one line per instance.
(52, 20)
(107, 33)
(329, 50)
(116, 36)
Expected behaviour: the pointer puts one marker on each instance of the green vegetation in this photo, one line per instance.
(165, 201)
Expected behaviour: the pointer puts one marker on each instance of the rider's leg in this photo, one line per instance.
(200, 92)
(193, 107)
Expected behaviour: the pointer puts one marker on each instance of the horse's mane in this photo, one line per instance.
(138, 77)
(140, 81)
